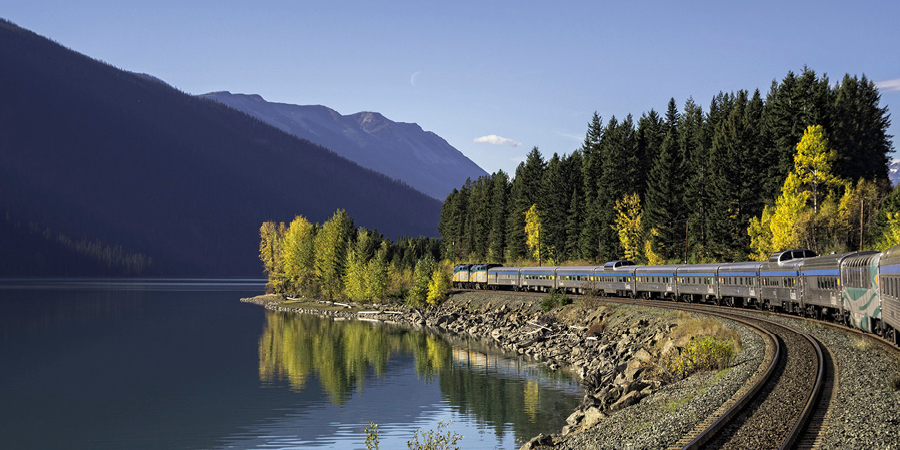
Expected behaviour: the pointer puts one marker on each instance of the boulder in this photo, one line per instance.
(538, 441)
(626, 400)
(592, 416)
(642, 355)
(635, 367)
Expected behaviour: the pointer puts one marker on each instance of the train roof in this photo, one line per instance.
(891, 256)
(789, 255)
(698, 268)
(615, 264)
(741, 266)
(822, 262)
(660, 268)
(576, 268)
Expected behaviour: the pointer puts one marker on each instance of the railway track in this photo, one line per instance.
(782, 406)
(774, 409)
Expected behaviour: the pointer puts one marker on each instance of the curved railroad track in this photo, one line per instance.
(775, 407)
(781, 406)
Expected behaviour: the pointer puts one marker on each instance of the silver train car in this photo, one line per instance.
(860, 289)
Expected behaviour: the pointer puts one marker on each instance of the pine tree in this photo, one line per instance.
(499, 212)
(694, 168)
(591, 172)
(526, 191)
(553, 206)
(663, 210)
(859, 133)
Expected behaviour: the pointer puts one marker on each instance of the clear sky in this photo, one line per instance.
(516, 74)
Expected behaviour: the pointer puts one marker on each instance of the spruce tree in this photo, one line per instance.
(591, 172)
(859, 133)
(499, 212)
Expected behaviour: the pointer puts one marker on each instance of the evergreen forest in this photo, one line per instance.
(805, 165)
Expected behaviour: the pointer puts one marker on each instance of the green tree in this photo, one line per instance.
(663, 208)
(859, 132)
(331, 249)
(355, 283)
(271, 247)
(553, 207)
(418, 294)
(377, 274)
(591, 172)
(299, 256)
(499, 212)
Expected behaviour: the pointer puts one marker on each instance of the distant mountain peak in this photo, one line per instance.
(400, 150)
(372, 122)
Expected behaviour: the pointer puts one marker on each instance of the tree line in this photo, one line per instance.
(335, 261)
(690, 185)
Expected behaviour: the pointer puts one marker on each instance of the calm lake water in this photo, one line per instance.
(182, 364)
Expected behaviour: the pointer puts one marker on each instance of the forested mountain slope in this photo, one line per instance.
(95, 153)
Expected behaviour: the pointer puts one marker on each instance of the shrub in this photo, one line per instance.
(553, 299)
(434, 439)
(548, 303)
(701, 354)
(431, 439)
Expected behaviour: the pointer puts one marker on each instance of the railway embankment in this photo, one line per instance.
(615, 350)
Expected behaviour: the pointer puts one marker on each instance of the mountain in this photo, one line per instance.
(123, 169)
(399, 150)
(894, 172)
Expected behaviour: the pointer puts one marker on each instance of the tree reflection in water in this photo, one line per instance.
(498, 391)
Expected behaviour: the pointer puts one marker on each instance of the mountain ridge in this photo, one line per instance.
(99, 154)
(401, 150)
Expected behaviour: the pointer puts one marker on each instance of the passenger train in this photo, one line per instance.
(859, 289)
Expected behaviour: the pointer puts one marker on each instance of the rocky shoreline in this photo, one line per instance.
(612, 348)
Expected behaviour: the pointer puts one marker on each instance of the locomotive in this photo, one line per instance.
(859, 289)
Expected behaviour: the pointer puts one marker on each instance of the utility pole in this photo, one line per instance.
(862, 201)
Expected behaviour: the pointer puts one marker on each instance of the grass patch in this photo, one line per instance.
(700, 345)
(689, 328)
(675, 405)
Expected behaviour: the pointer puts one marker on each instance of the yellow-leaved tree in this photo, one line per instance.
(793, 222)
(533, 231)
(300, 256)
(813, 163)
(439, 285)
(271, 246)
(653, 258)
(891, 235)
(628, 225)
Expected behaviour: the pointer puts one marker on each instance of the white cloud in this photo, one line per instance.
(493, 139)
(889, 85)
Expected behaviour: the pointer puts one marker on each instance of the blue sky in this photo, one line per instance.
(516, 74)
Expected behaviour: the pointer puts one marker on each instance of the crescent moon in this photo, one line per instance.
(414, 77)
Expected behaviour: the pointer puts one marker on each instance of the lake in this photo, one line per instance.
(182, 364)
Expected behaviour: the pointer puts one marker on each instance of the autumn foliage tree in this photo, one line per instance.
(533, 231)
(628, 225)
